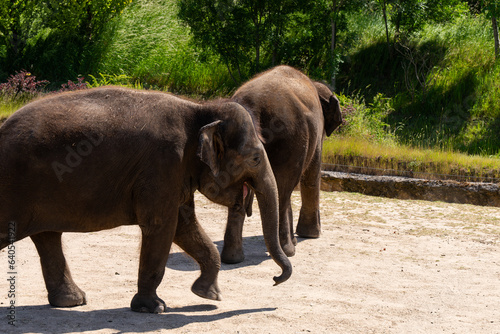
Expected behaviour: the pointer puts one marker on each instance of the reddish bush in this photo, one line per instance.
(22, 82)
(74, 86)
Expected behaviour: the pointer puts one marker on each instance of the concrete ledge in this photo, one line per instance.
(476, 193)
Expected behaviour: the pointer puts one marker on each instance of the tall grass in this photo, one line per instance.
(8, 107)
(148, 44)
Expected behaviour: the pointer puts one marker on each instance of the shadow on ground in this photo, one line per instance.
(254, 248)
(123, 320)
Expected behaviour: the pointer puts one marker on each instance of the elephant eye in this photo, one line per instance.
(255, 160)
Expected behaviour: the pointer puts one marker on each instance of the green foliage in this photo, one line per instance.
(410, 16)
(150, 46)
(242, 33)
(54, 39)
(489, 7)
(22, 87)
(220, 27)
(366, 121)
(111, 80)
(440, 87)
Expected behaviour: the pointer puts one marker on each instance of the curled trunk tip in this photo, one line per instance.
(286, 272)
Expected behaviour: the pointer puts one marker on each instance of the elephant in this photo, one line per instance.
(96, 159)
(294, 115)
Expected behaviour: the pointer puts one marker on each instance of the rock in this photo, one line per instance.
(476, 193)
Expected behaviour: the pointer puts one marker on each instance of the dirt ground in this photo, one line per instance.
(380, 266)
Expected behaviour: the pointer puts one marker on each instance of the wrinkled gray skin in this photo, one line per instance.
(96, 159)
(294, 114)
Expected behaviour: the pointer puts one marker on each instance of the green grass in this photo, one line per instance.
(385, 159)
(149, 45)
(9, 104)
(8, 108)
(457, 110)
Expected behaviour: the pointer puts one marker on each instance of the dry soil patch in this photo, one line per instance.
(381, 266)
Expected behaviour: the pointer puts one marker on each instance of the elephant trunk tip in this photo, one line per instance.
(285, 275)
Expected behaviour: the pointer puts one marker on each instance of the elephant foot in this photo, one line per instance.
(147, 304)
(308, 231)
(231, 255)
(68, 296)
(288, 249)
(206, 290)
(309, 225)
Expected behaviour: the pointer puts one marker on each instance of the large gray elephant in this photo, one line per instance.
(96, 159)
(294, 115)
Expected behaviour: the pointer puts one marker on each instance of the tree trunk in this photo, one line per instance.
(16, 47)
(334, 38)
(275, 54)
(88, 24)
(276, 45)
(231, 74)
(257, 42)
(257, 52)
(384, 12)
(15, 43)
(495, 34)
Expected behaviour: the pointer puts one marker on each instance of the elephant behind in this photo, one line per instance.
(294, 115)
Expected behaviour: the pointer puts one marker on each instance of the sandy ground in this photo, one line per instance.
(380, 266)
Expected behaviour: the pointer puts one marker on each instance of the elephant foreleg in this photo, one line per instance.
(156, 241)
(232, 252)
(191, 237)
(62, 290)
(309, 225)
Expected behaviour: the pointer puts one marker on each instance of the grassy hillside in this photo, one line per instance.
(442, 90)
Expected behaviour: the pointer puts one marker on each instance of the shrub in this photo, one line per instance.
(79, 85)
(22, 83)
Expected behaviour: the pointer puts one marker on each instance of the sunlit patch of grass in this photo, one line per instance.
(8, 108)
(394, 159)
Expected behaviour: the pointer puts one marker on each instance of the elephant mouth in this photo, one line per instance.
(245, 190)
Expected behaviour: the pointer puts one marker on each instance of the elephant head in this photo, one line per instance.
(234, 167)
(331, 107)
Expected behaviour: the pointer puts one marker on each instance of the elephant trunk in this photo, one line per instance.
(267, 197)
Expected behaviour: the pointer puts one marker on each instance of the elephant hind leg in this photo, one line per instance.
(232, 252)
(62, 290)
(309, 225)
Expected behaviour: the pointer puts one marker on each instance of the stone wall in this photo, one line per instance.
(476, 193)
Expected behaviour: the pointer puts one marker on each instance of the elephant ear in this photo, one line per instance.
(331, 108)
(332, 114)
(211, 147)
